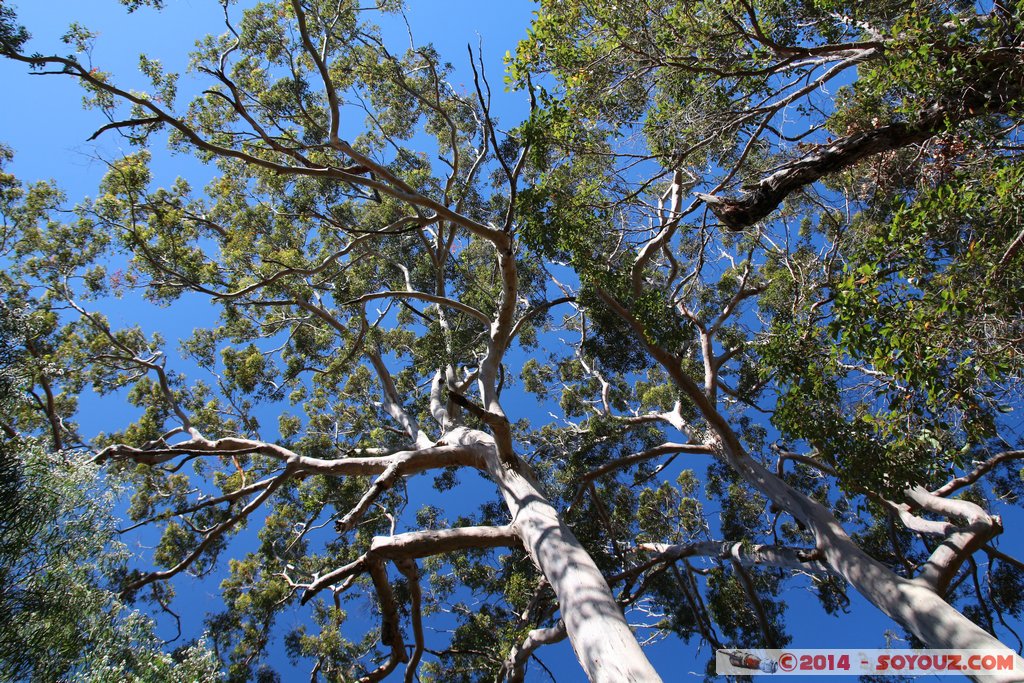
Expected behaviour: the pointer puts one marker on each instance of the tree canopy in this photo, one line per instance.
(58, 552)
(736, 310)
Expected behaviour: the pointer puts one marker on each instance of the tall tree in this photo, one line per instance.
(736, 253)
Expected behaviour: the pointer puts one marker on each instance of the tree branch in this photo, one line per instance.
(417, 544)
(633, 459)
(513, 669)
(764, 196)
(976, 474)
(951, 553)
(747, 555)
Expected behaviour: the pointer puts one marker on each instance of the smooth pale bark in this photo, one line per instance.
(515, 665)
(908, 602)
(602, 640)
(911, 603)
(749, 556)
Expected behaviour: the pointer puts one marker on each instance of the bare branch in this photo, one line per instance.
(393, 403)
(130, 123)
(748, 556)
(385, 481)
(417, 544)
(212, 535)
(951, 553)
(633, 459)
(976, 474)
(514, 667)
(422, 296)
(411, 461)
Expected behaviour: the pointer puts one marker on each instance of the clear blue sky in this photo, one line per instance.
(43, 121)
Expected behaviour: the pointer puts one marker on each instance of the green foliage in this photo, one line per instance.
(562, 218)
(12, 35)
(871, 322)
(58, 553)
(609, 338)
(933, 291)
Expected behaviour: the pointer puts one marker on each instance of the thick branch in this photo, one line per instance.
(761, 199)
(385, 481)
(514, 667)
(410, 462)
(417, 544)
(947, 558)
(393, 402)
(390, 630)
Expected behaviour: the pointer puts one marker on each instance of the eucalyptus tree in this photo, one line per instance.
(850, 176)
(704, 247)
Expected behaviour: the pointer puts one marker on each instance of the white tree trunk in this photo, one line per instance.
(602, 640)
(908, 602)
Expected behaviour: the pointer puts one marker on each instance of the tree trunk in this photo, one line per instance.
(602, 640)
(908, 602)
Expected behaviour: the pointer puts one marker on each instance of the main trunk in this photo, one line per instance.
(601, 638)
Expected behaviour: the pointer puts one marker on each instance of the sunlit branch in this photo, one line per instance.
(513, 669)
(438, 408)
(746, 555)
(325, 76)
(411, 461)
(383, 482)
(418, 544)
(209, 502)
(800, 50)
(393, 186)
(537, 310)
(302, 272)
(422, 296)
(957, 547)
(674, 194)
(148, 363)
(49, 405)
(393, 402)
(390, 630)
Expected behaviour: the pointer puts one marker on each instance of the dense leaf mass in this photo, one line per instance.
(736, 311)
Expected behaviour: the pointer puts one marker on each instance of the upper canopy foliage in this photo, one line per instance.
(759, 263)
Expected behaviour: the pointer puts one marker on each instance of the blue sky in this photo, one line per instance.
(43, 121)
